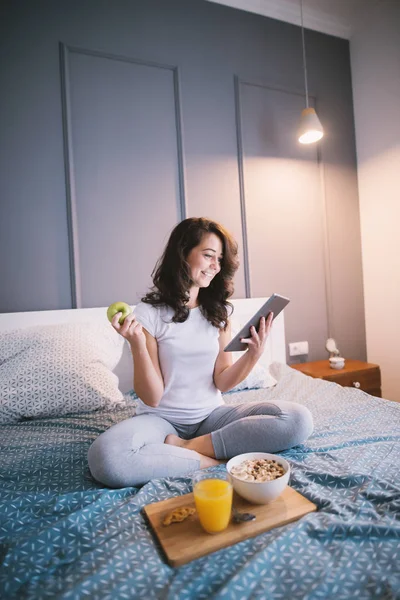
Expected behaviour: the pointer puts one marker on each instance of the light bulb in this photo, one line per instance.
(310, 128)
(310, 136)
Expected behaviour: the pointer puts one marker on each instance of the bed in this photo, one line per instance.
(63, 535)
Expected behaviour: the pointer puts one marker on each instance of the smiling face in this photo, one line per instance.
(205, 259)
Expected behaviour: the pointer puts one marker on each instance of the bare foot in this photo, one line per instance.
(205, 461)
(174, 440)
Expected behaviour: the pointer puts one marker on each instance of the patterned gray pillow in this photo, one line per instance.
(58, 369)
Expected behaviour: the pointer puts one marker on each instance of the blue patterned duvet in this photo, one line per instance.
(64, 536)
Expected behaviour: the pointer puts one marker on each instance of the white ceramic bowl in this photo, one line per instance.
(336, 362)
(258, 492)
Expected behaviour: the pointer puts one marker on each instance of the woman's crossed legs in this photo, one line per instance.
(147, 447)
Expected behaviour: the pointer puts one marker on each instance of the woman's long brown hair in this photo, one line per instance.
(171, 275)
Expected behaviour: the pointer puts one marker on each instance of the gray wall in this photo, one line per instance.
(119, 119)
(375, 61)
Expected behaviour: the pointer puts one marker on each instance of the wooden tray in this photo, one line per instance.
(186, 541)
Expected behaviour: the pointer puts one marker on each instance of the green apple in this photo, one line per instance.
(117, 307)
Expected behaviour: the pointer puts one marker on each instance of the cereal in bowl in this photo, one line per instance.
(258, 469)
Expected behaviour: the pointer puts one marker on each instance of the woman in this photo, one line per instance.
(177, 335)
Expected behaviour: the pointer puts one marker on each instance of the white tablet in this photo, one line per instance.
(274, 304)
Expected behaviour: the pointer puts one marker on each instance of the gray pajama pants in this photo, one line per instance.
(132, 452)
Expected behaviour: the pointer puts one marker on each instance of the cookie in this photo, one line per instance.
(178, 515)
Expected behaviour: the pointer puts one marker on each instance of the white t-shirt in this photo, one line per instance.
(187, 353)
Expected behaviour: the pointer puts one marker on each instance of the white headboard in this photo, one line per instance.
(243, 311)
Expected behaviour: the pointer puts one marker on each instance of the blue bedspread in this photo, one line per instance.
(64, 536)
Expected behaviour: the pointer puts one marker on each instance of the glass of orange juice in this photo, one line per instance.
(213, 498)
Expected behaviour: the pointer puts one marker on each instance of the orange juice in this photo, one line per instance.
(213, 498)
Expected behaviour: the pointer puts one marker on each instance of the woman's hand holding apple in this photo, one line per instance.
(131, 330)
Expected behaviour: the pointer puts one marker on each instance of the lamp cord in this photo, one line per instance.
(304, 53)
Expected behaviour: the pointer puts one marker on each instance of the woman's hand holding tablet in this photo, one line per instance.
(274, 304)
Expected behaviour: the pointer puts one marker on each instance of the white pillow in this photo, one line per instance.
(57, 369)
(124, 368)
(259, 377)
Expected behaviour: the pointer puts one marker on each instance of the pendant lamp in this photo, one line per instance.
(310, 128)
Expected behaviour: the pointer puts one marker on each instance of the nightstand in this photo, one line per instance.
(358, 374)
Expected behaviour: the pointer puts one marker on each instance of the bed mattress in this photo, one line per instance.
(63, 535)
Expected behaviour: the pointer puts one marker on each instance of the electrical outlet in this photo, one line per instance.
(298, 348)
